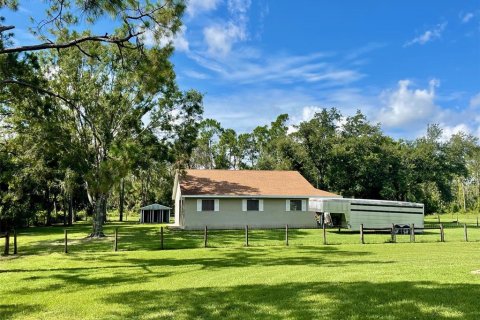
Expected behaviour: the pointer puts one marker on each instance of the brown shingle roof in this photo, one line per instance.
(248, 182)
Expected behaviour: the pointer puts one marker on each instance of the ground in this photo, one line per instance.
(306, 280)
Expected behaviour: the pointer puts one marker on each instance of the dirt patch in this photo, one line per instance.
(476, 272)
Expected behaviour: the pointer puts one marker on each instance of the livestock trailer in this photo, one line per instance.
(351, 213)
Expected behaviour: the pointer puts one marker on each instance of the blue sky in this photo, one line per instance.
(404, 63)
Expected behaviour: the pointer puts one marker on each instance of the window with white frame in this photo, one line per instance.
(252, 205)
(296, 205)
(208, 205)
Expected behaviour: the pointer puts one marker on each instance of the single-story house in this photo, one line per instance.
(236, 198)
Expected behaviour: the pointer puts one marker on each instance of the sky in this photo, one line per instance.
(404, 64)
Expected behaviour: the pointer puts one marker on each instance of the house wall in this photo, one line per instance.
(230, 215)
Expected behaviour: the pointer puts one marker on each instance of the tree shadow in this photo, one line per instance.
(11, 311)
(347, 300)
(198, 185)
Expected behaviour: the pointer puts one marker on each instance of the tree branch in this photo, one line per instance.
(106, 38)
(6, 28)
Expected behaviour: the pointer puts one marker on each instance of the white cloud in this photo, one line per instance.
(467, 17)
(196, 75)
(195, 7)
(428, 35)
(475, 101)
(221, 36)
(449, 131)
(238, 6)
(246, 67)
(407, 107)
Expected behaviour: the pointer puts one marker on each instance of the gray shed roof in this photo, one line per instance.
(155, 206)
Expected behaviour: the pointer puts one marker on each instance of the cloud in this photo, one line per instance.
(449, 131)
(475, 101)
(221, 36)
(427, 36)
(248, 67)
(195, 7)
(196, 75)
(407, 107)
(466, 17)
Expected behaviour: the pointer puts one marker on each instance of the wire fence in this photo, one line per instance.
(128, 237)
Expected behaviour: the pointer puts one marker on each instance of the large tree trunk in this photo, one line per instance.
(98, 216)
(122, 200)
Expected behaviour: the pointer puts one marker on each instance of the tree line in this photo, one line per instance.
(94, 122)
(353, 157)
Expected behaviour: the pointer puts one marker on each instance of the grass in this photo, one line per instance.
(306, 280)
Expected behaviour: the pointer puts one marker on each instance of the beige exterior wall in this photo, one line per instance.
(230, 215)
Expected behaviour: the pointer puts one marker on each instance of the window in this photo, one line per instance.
(253, 205)
(208, 205)
(295, 205)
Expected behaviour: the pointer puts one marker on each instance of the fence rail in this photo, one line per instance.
(158, 237)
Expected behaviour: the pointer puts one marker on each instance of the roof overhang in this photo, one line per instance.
(204, 196)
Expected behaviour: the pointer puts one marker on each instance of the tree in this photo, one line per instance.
(105, 101)
(135, 20)
(318, 137)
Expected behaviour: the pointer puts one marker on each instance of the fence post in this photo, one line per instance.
(161, 238)
(442, 235)
(465, 230)
(286, 234)
(246, 235)
(438, 217)
(394, 238)
(362, 238)
(205, 237)
(412, 232)
(115, 243)
(324, 234)
(477, 221)
(14, 241)
(7, 244)
(65, 244)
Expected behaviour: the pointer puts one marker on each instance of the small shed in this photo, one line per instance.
(155, 213)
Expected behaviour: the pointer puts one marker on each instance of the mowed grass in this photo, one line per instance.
(306, 280)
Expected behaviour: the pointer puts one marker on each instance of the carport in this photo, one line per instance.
(155, 213)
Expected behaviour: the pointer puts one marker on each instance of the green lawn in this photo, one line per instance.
(307, 280)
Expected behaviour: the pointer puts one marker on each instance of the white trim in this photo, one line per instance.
(244, 204)
(287, 205)
(304, 205)
(260, 205)
(199, 205)
(256, 196)
(216, 205)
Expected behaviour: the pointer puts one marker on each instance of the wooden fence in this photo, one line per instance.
(163, 240)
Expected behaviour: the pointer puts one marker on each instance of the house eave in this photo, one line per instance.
(203, 196)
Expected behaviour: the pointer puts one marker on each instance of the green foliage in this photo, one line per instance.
(352, 157)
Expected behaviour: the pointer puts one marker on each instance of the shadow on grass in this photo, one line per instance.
(10, 311)
(357, 300)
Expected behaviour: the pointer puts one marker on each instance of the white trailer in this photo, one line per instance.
(351, 213)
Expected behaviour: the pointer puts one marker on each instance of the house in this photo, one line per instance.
(235, 198)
